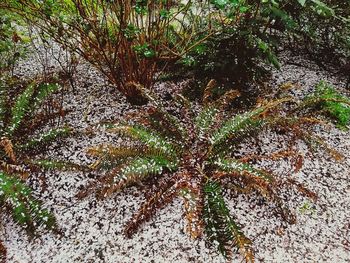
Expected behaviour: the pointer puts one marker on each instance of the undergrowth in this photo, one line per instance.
(328, 100)
(25, 108)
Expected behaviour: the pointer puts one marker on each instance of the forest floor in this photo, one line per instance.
(91, 230)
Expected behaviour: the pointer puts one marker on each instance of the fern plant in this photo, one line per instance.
(328, 100)
(19, 118)
(190, 155)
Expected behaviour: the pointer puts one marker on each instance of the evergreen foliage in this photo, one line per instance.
(19, 111)
(327, 99)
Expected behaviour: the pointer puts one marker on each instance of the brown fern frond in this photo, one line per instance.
(298, 163)
(294, 125)
(227, 98)
(273, 156)
(311, 120)
(7, 145)
(270, 106)
(267, 190)
(193, 203)
(208, 91)
(264, 187)
(313, 140)
(244, 245)
(165, 192)
(14, 169)
(289, 85)
(3, 252)
(103, 186)
(302, 189)
(42, 118)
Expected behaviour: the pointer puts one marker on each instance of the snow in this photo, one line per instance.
(92, 231)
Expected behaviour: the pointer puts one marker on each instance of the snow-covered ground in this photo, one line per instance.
(91, 231)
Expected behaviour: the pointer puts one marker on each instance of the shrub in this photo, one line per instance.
(324, 28)
(190, 155)
(240, 52)
(249, 35)
(124, 40)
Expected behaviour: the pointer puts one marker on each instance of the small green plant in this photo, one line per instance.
(330, 102)
(307, 208)
(190, 154)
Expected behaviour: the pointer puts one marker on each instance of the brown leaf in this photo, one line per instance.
(298, 164)
(15, 37)
(208, 91)
(8, 148)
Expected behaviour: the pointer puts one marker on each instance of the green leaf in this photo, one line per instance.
(235, 125)
(221, 4)
(20, 109)
(46, 137)
(220, 227)
(149, 138)
(232, 165)
(43, 91)
(302, 2)
(25, 209)
(331, 102)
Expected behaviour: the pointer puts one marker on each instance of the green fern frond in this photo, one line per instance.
(334, 104)
(250, 130)
(109, 153)
(20, 109)
(234, 166)
(136, 171)
(220, 228)
(43, 91)
(236, 124)
(46, 137)
(331, 102)
(25, 209)
(150, 139)
(244, 121)
(205, 120)
(115, 152)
